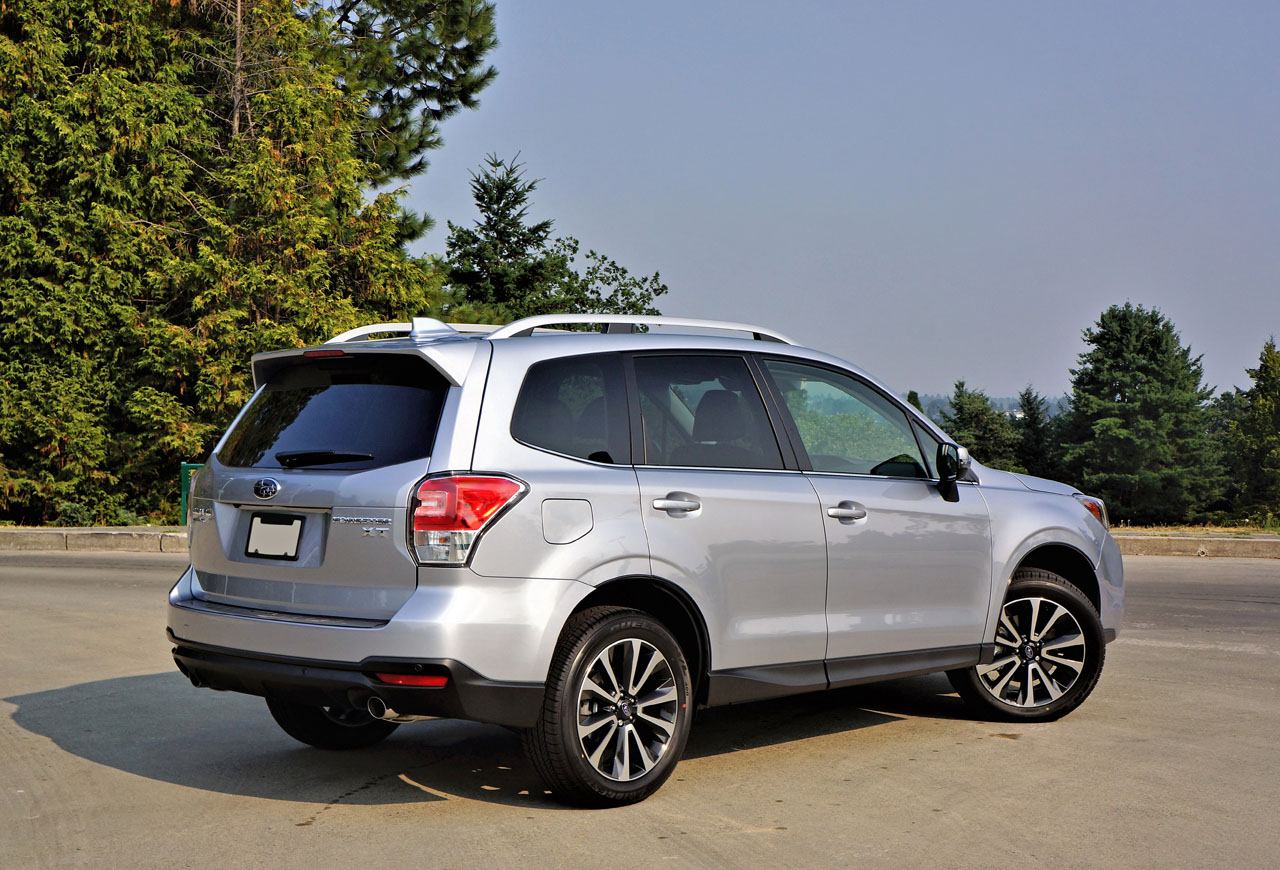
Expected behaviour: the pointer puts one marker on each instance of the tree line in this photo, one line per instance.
(1140, 429)
(186, 183)
(189, 182)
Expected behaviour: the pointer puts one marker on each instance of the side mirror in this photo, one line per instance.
(952, 464)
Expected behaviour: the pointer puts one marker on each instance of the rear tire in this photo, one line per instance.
(616, 715)
(329, 727)
(1049, 652)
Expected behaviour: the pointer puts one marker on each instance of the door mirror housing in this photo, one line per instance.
(952, 464)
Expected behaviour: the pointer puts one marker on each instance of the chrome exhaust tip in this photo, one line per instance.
(378, 709)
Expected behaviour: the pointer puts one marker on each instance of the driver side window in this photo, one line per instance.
(847, 427)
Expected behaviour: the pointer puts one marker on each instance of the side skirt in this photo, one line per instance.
(743, 685)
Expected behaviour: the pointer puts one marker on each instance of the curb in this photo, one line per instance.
(132, 539)
(1219, 546)
(173, 539)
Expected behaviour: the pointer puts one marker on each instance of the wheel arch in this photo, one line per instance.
(1068, 563)
(671, 606)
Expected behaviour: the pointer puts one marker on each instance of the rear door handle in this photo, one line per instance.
(847, 512)
(670, 504)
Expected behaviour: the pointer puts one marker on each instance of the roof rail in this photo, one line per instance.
(527, 325)
(419, 328)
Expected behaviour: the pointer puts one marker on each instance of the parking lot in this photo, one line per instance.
(109, 758)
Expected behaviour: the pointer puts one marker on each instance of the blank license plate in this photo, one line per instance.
(274, 536)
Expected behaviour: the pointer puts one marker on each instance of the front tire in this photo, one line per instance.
(616, 715)
(1049, 652)
(329, 727)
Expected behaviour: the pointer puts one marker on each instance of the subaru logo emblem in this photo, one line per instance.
(267, 487)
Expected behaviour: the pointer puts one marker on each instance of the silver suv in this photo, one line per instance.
(585, 536)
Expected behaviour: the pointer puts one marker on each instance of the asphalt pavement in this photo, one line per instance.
(109, 758)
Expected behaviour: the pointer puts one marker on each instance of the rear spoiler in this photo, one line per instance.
(452, 359)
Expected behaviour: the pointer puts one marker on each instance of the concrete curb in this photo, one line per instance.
(131, 539)
(1190, 544)
(173, 539)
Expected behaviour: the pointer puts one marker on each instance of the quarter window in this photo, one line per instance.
(576, 406)
(704, 412)
(845, 425)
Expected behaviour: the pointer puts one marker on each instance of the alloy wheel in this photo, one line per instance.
(1040, 653)
(627, 709)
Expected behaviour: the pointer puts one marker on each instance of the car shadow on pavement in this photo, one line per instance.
(157, 726)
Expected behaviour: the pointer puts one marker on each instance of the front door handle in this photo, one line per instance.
(673, 503)
(847, 512)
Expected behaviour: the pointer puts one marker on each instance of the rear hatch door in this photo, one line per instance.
(302, 507)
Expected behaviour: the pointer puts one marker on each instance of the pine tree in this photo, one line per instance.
(974, 423)
(1034, 448)
(1137, 431)
(414, 63)
(149, 246)
(504, 267)
(913, 399)
(1254, 435)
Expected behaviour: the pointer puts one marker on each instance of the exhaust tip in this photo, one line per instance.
(378, 708)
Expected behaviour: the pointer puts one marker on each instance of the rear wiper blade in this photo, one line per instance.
(296, 458)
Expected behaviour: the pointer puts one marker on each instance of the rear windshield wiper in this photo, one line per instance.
(297, 458)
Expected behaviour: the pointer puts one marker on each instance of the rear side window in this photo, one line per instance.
(353, 412)
(703, 412)
(576, 406)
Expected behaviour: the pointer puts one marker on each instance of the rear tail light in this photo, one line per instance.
(449, 513)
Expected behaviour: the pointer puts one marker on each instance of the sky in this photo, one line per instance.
(932, 190)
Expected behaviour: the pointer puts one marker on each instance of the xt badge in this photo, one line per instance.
(371, 531)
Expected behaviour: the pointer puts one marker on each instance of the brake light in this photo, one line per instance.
(322, 354)
(449, 513)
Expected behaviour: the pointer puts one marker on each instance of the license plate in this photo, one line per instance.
(274, 536)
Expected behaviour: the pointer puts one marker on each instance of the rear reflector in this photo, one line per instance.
(429, 682)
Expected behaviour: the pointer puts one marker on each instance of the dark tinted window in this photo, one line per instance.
(576, 406)
(344, 413)
(845, 425)
(703, 411)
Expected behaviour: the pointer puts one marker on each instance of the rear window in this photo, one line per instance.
(351, 412)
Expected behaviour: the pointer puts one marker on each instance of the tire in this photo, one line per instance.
(1049, 652)
(329, 727)
(601, 742)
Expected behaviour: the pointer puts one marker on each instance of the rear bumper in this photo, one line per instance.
(504, 628)
(466, 695)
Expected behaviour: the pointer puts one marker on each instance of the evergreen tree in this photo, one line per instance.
(414, 63)
(974, 423)
(1254, 430)
(1137, 431)
(1034, 448)
(505, 267)
(1223, 415)
(913, 399)
(148, 246)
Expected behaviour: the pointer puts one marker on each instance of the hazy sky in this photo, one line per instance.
(933, 190)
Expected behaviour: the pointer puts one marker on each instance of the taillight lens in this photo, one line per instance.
(449, 513)
(1096, 507)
